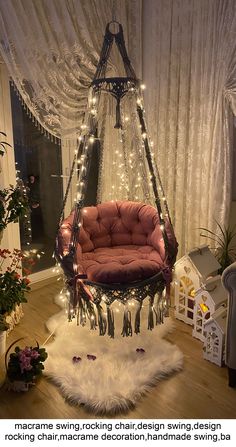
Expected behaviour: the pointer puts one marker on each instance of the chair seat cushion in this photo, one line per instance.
(121, 264)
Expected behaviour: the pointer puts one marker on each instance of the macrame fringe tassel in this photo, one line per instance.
(156, 316)
(167, 299)
(110, 322)
(92, 315)
(137, 318)
(102, 322)
(159, 309)
(118, 124)
(81, 313)
(73, 300)
(127, 325)
(150, 316)
(152, 312)
(159, 316)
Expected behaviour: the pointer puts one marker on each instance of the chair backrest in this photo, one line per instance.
(119, 223)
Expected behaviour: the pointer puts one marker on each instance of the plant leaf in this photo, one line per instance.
(4, 143)
(211, 232)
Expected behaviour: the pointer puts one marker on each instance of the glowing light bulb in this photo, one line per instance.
(91, 139)
(142, 86)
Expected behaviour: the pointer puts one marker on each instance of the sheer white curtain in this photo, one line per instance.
(185, 51)
(189, 68)
(51, 48)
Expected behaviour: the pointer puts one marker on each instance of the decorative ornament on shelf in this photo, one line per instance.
(207, 300)
(24, 366)
(214, 333)
(190, 273)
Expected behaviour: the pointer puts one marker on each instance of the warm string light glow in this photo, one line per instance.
(86, 138)
(26, 217)
(150, 143)
(119, 165)
(135, 159)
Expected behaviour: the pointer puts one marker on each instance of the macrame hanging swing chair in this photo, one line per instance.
(120, 249)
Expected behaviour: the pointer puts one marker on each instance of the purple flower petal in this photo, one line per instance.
(91, 357)
(76, 359)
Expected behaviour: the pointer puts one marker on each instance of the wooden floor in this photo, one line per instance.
(200, 390)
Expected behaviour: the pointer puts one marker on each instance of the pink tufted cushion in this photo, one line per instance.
(119, 242)
(126, 263)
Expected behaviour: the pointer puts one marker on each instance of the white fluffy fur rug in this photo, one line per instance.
(119, 375)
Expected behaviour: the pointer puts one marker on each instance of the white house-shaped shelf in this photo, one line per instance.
(207, 300)
(190, 273)
(214, 331)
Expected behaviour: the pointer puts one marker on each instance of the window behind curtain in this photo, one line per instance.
(39, 166)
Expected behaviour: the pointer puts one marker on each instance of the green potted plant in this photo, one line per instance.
(14, 286)
(225, 251)
(13, 204)
(24, 366)
(13, 283)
